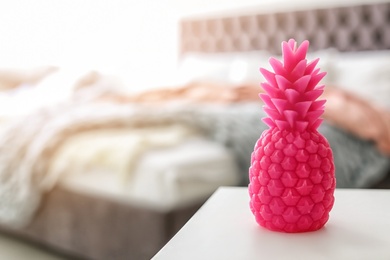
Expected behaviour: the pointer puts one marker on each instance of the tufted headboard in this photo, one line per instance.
(347, 28)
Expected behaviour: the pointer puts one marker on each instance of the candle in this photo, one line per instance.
(292, 178)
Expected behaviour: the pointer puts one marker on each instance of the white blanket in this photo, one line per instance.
(29, 146)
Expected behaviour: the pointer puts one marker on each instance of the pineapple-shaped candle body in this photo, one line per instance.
(291, 175)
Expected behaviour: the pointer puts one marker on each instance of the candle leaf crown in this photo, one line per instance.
(292, 90)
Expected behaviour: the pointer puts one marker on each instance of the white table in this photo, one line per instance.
(224, 228)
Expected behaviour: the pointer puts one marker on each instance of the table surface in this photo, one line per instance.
(224, 228)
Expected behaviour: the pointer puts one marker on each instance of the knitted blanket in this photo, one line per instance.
(29, 144)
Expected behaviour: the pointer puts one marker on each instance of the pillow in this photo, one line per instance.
(253, 64)
(231, 67)
(327, 59)
(239, 67)
(246, 67)
(365, 74)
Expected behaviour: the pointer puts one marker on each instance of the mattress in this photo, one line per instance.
(163, 178)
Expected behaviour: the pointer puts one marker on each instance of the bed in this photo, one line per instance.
(99, 174)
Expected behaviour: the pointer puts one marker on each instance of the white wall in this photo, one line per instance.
(200, 7)
(133, 38)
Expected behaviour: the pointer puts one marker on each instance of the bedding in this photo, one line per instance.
(11, 78)
(28, 169)
(365, 74)
(360, 136)
(236, 68)
(242, 67)
(109, 139)
(163, 179)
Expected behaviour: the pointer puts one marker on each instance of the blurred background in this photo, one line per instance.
(112, 37)
(118, 119)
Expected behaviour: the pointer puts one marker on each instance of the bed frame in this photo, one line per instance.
(91, 227)
(82, 225)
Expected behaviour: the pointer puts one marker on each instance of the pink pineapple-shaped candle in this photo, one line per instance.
(291, 175)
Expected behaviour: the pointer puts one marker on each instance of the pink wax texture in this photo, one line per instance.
(292, 178)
